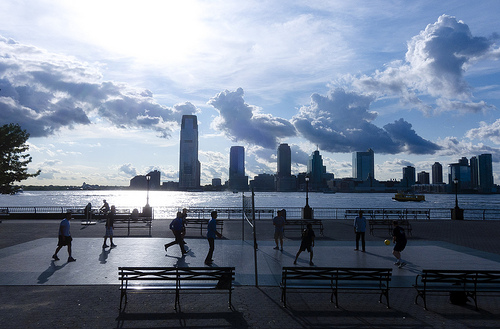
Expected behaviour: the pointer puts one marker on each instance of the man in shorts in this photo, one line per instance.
(399, 238)
(109, 228)
(64, 238)
(306, 244)
(279, 229)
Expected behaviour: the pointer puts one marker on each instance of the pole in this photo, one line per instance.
(255, 246)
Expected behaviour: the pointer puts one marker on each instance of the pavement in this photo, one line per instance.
(36, 291)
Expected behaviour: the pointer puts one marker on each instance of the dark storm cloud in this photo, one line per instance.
(341, 122)
(402, 132)
(45, 92)
(242, 122)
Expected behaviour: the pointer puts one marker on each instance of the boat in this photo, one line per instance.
(401, 196)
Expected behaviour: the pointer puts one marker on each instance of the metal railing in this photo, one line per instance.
(326, 213)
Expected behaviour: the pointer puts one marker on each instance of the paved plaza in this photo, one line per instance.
(36, 291)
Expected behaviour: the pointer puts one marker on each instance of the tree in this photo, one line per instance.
(13, 159)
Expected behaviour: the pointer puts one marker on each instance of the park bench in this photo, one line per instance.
(386, 224)
(300, 224)
(469, 282)
(202, 222)
(139, 224)
(418, 214)
(4, 212)
(177, 279)
(333, 279)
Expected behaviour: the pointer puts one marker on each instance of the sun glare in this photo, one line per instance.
(148, 30)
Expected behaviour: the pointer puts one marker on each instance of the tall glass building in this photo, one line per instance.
(189, 166)
(284, 161)
(237, 179)
(485, 173)
(363, 165)
(437, 173)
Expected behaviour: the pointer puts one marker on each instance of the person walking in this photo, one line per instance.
(399, 238)
(177, 227)
(211, 235)
(279, 229)
(306, 244)
(359, 230)
(109, 228)
(64, 238)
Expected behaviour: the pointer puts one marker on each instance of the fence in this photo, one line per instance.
(235, 213)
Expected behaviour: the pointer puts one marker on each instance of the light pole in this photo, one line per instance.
(148, 179)
(307, 208)
(457, 213)
(147, 211)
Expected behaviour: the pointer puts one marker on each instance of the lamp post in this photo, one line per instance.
(456, 213)
(148, 179)
(307, 208)
(147, 211)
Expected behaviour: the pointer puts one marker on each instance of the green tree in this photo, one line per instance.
(13, 159)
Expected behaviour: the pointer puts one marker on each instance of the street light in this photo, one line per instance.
(457, 213)
(307, 208)
(147, 208)
(148, 178)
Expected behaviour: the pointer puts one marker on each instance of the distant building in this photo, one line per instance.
(154, 182)
(363, 165)
(485, 173)
(408, 177)
(437, 173)
(423, 178)
(474, 172)
(140, 182)
(237, 179)
(315, 171)
(189, 166)
(460, 171)
(216, 182)
(263, 183)
(285, 182)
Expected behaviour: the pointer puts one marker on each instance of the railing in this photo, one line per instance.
(235, 213)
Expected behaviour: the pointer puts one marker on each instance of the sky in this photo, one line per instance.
(101, 86)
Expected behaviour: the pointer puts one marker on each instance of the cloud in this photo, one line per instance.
(485, 131)
(45, 92)
(128, 170)
(435, 63)
(242, 122)
(341, 122)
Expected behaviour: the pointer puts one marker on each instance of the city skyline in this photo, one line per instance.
(102, 87)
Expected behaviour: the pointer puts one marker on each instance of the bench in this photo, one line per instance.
(386, 224)
(418, 214)
(190, 222)
(139, 223)
(301, 224)
(333, 279)
(177, 279)
(469, 282)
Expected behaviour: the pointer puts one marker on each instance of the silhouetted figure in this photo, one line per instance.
(211, 235)
(306, 244)
(359, 230)
(177, 227)
(110, 220)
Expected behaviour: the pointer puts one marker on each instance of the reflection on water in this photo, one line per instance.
(137, 199)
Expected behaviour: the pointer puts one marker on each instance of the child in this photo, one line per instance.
(306, 244)
(399, 238)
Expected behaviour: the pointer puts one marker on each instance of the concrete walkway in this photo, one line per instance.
(84, 293)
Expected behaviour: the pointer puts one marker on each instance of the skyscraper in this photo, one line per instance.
(474, 172)
(237, 179)
(284, 161)
(285, 182)
(408, 176)
(189, 166)
(363, 165)
(437, 173)
(485, 173)
(315, 171)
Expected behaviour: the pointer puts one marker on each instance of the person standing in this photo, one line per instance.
(307, 244)
(359, 230)
(211, 235)
(88, 212)
(279, 229)
(64, 238)
(399, 238)
(109, 228)
(177, 228)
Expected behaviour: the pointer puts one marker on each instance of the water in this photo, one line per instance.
(174, 199)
